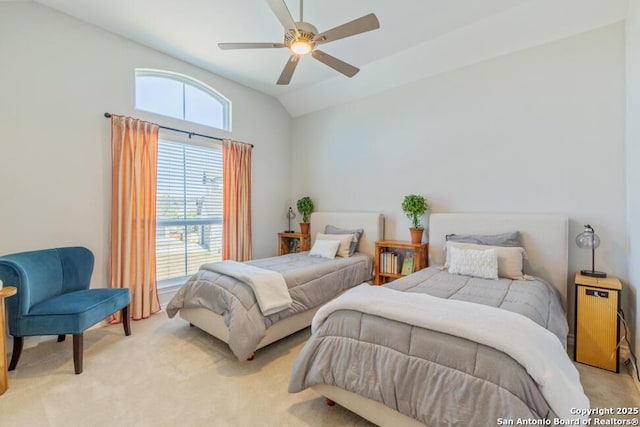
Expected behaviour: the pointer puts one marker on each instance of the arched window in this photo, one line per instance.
(182, 97)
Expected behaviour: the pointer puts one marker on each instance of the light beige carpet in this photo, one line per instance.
(167, 374)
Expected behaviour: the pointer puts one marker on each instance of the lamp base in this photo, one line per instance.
(593, 273)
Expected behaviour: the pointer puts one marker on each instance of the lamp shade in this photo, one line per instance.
(588, 239)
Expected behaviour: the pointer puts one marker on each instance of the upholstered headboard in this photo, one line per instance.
(372, 223)
(544, 238)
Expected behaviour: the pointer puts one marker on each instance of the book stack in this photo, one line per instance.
(390, 262)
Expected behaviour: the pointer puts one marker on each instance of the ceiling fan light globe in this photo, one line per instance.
(300, 47)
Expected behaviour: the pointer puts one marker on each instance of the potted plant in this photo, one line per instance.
(305, 207)
(414, 206)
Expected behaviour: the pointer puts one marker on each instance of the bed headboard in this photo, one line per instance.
(372, 223)
(544, 238)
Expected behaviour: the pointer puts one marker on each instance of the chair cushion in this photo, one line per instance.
(73, 312)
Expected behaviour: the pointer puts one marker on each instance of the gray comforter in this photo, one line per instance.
(436, 378)
(312, 281)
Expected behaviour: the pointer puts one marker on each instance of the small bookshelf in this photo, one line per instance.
(395, 259)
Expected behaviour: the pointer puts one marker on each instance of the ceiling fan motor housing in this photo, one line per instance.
(306, 32)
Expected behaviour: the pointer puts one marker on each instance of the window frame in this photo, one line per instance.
(190, 81)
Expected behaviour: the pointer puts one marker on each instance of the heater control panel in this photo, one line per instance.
(599, 294)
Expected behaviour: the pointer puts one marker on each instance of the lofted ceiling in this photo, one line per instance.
(417, 38)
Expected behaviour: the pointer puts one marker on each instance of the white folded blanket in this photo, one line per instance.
(535, 348)
(268, 286)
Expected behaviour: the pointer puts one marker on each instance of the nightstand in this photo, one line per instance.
(403, 249)
(293, 242)
(597, 327)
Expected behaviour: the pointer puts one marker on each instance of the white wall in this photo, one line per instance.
(541, 130)
(633, 163)
(58, 76)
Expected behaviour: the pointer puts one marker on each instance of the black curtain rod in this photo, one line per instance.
(108, 115)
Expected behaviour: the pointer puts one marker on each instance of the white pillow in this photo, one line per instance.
(325, 248)
(509, 258)
(473, 262)
(344, 240)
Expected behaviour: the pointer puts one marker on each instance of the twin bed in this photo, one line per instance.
(227, 309)
(450, 349)
(432, 348)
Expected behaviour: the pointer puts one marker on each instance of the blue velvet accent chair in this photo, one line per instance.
(54, 297)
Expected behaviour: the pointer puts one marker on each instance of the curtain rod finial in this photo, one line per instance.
(107, 115)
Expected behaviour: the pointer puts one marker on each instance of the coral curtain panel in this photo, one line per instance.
(132, 263)
(236, 231)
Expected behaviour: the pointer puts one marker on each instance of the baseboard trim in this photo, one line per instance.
(629, 368)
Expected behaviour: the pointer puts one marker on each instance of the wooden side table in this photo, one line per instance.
(285, 242)
(596, 321)
(5, 292)
(419, 250)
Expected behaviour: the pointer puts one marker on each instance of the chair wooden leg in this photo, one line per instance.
(61, 338)
(77, 352)
(126, 321)
(18, 343)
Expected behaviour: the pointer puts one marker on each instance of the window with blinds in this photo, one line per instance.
(189, 208)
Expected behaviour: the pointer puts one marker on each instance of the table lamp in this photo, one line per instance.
(589, 239)
(291, 215)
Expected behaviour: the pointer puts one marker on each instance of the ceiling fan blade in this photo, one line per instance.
(279, 8)
(361, 25)
(285, 77)
(227, 46)
(333, 62)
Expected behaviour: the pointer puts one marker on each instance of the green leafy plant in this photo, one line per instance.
(414, 206)
(305, 207)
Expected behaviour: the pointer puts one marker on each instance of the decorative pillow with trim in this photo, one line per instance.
(473, 262)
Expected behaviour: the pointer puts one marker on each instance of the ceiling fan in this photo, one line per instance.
(303, 38)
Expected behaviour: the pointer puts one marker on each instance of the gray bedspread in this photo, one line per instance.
(436, 378)
(312, 281)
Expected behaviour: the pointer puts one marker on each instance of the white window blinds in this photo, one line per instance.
(189, 208)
